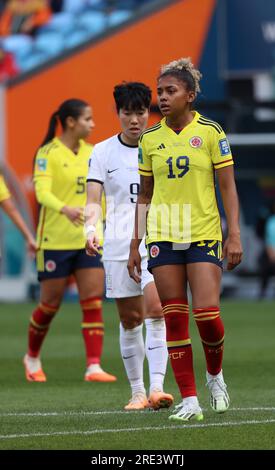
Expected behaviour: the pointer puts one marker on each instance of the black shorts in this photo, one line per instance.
(164, 253)
(53, 264)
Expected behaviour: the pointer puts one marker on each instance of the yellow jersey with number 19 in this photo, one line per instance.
(184, 207)
(60, 179)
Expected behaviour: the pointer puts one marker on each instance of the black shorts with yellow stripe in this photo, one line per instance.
(165, 253)
(53, 264)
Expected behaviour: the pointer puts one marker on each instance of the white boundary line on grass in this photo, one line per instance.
(114, 412)
(145, 428)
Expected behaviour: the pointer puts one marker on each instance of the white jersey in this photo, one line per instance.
(115, 165)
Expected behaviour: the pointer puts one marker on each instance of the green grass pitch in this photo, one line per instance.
(67, 413)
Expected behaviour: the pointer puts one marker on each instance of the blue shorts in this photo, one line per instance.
(53, 264)
(164, 253)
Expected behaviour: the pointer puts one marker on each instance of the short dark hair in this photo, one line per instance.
(132, 96)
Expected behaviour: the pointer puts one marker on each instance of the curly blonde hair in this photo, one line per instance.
(185, 71)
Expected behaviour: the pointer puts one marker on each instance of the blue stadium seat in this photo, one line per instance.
(93, 22)
(31, 61)
(76, 38)
(74, 6)
(119, 16)
(59, 23)
(99, 5)
(49, 43)
(18, 44)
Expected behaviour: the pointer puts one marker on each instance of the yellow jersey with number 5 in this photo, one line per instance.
(59, 180)
(184, 207)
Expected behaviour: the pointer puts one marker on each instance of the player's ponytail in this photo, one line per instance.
(184, 70)
(50, 134)
(51, 129)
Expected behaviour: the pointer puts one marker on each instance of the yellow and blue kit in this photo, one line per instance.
(183, 224)
(59, 180)
(184, 206)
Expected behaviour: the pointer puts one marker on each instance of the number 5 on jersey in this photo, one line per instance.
(80, 181)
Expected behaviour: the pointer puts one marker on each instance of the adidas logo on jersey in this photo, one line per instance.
(211, 253)
(161, 146)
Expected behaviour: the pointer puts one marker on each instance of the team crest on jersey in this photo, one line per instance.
(224, 147)
(154, 251)
(50, 266)
(41, 164)
(195, 142)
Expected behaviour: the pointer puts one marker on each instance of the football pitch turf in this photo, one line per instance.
(68, 413)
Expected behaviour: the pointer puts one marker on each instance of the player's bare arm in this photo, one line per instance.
(232, 247)
(92, 213)
(142, 207)
(8, 206)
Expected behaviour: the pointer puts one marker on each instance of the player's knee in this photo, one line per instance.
(54, 300)
(88, 294)
(131, 320)
(155, 311)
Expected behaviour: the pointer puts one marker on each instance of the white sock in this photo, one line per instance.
(33, 363)
(156, 352)
(132, 352)
(93, 368)
(193, 400)
(210, 376)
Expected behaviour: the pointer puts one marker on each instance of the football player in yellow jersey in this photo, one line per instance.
(7, 204)
(178, 159)
(60, 171)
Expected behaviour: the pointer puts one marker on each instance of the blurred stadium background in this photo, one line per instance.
(83, 49)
